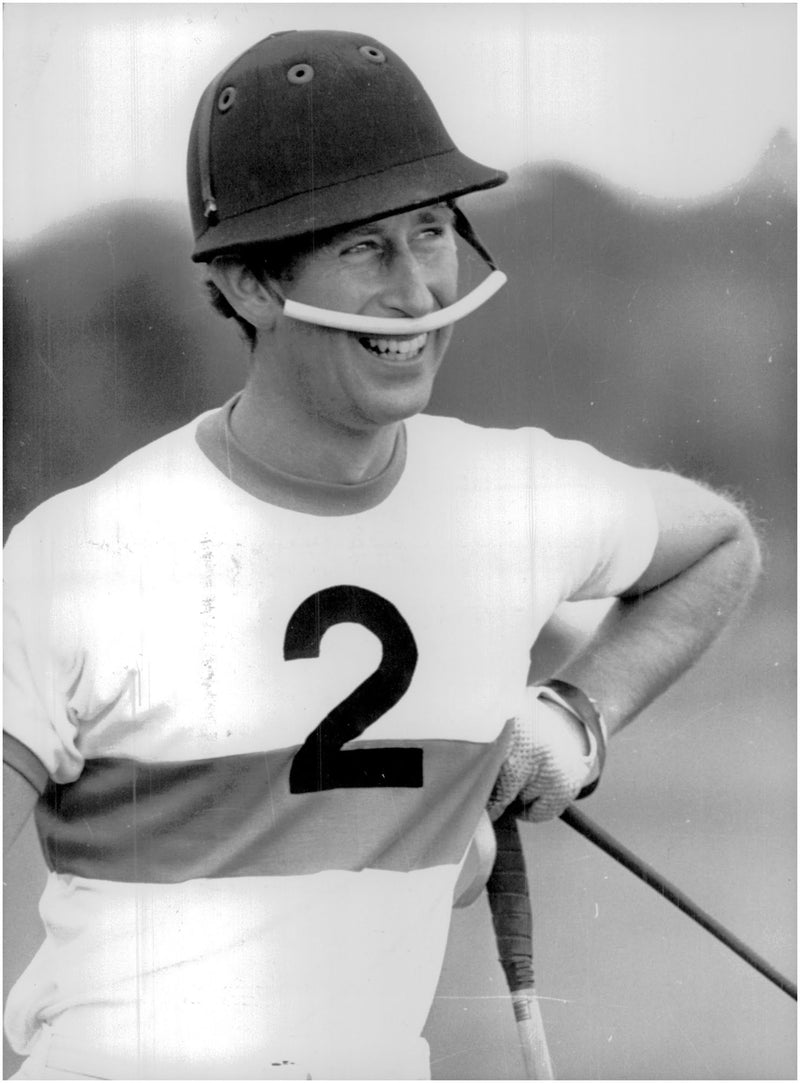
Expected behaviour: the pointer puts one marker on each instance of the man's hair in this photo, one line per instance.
(268, 262)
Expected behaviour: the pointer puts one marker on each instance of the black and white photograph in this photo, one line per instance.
(399, 565)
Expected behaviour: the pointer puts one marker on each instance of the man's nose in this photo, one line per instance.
(406, 286)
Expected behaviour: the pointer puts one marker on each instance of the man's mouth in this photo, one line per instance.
(395, 349)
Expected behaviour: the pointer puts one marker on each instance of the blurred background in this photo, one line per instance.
(649, 235)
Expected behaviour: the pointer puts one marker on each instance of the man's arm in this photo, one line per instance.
(705, 564)
(704, 568)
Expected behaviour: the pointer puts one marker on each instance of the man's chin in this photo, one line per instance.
(399, 407)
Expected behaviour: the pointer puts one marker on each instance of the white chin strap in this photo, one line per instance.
(377, 325)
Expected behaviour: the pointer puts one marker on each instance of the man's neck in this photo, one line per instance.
(309, 448)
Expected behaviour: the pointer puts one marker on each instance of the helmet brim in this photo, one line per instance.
(434, 179)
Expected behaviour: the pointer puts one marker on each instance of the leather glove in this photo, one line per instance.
(551, 758)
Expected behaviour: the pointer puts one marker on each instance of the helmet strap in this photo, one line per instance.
(463, 228)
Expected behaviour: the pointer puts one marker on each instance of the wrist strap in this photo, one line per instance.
(587, 712)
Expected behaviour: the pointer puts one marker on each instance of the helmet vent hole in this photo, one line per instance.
(226, 99)
(373, 54)
(300, 73)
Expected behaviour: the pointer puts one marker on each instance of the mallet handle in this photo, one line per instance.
(510, 905)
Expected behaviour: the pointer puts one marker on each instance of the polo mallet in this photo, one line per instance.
(510, 905)
(509, 902)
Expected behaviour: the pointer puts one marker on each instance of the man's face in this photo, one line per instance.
(405, 266)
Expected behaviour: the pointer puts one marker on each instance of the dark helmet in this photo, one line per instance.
(314, 130)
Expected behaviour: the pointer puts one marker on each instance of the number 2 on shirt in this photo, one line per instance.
(321, 763)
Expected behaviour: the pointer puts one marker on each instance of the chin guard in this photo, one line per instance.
(377, 325)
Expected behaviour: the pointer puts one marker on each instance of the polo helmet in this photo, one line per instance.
(315, 130)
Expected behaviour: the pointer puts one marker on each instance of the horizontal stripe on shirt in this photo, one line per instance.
(132, 821)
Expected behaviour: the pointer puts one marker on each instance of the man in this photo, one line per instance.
(265, 675)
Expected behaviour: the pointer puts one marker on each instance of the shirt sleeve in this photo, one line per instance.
(594, 517)
(37, 724)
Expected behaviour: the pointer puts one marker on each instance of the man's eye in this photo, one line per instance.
(359, 248)
(433, 232)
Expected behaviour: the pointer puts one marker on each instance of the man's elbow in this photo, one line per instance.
(746, 545)
(738, 554)
(703, 532)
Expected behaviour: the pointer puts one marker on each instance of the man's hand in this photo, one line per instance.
(550, 760)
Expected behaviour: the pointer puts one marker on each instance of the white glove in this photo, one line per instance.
(552, 756)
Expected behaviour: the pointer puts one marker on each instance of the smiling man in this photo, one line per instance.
(265, 676)
(338, 419)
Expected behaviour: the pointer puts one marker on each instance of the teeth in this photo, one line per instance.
(397, 347)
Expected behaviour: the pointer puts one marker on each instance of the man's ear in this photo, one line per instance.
(255, 301)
